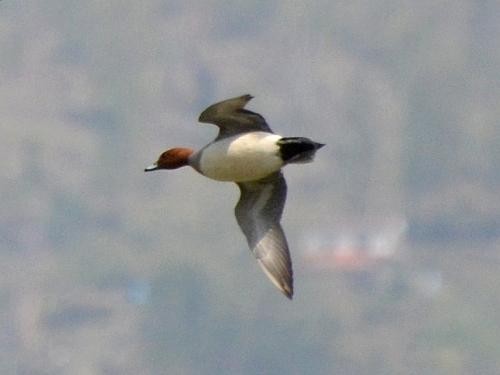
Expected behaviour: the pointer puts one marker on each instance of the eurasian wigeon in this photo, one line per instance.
(247, 152)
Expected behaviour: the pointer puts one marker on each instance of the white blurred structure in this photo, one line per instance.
(355, 249)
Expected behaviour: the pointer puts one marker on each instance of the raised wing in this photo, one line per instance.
(232, 118)
(258, 213)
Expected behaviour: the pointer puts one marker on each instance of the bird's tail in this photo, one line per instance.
(298, 149)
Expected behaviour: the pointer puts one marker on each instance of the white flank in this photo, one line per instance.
(246, 157)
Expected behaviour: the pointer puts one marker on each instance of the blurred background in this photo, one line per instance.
(394, 229)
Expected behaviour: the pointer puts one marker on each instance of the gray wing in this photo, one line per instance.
(232, 118)
(258, 213)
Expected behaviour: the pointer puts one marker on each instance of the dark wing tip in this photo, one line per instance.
(241, 101)
(225, 107)
(287, 285)
(288, 292)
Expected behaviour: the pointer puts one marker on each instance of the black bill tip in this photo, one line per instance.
(151, 168)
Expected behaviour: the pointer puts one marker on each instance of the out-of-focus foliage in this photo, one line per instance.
(108, 270)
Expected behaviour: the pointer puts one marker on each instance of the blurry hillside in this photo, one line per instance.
(106, 270)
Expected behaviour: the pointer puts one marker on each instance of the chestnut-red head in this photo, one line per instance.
(172, 159)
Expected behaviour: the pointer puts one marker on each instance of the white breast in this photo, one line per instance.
(246, 157)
